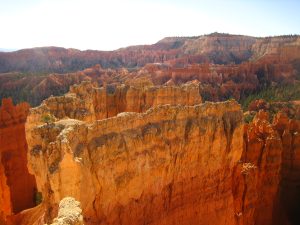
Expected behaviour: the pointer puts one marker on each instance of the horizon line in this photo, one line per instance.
(10, 50)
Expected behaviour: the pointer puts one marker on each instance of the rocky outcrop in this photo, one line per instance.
(258, 104)
(69, 213)
(168, 165)
(87, 102)
(290, 108)
(289, 133)
(5, 207)
(17, 186)
(258, 174)
(162, 159)
(221, 82)
(135, 153)
(219, 48)
(277, 49)
(35, 87)
(267, 176)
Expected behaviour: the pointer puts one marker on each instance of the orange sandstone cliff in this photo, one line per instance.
(155, 167)
(219, 82)
(17, 186)
(137, 153)
(289, 133)
(266, 179)
(163, 164)
(87, 102)
(153, 155)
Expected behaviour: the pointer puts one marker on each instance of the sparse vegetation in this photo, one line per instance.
(21, 87)
(281, 93)
(248, 118)
(38, 198)
(47, 118)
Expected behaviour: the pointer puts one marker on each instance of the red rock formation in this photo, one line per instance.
(169, 165)
(17, 186)
(34, 88)
(267, 177)
(258, 104)
(87, 102)
(290, 108)
(258, 174)
(276, 49)
(220, 82)
(289, 132)
(179, 52)
(5, 207)
(144, 167)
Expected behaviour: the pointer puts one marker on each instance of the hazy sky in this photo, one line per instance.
(111, 24)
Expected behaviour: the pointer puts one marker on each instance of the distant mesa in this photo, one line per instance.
(217, 48)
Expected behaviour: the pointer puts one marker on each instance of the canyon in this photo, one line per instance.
(135, 168)
(228, 66)
(218, 82)
(161, 164)
(164, 143)
(18, 187)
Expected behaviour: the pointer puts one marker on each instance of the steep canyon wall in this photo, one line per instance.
(88, 103)
(153, 155)
(17, 186)
(266, 179)
(169, 165)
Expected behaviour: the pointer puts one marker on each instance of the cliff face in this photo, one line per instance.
(258, 175)
(277, 49)
(5, 208)
(267, 176)
(220, 82)
(229, 66)
(213, 48)
(17, 186)
(130, 160)
(33, 88)
(87, 102)
(289, 132)
(145, 162)
(169, 165)
(220, 49)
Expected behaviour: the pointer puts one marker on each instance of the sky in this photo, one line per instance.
(112, 24)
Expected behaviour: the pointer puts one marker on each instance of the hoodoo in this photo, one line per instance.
(198, 130)
(171, 164)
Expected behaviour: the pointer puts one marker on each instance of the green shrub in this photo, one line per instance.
(248, 118)
(281, 93)
(47, 118)
(38, 198)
